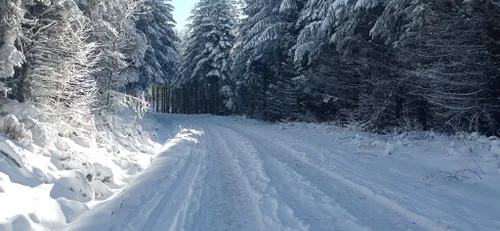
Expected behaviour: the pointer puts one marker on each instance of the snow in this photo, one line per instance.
(102, 191)
(232, 173)
(73, 185)
(10, 57)
(48, 180)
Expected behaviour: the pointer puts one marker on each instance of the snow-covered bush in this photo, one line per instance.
(101, 190)
(25, 114)
(40, 132)
(456, 176)
(14, 129)
(73, 185)
(389, 149)
(122, 131)
(121, 103)
(20, 110)
(102, 173)
(495, 152)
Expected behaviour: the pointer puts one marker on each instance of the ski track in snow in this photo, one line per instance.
(241, 179)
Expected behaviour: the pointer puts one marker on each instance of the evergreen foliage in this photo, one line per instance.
(74, 58)
(206, 64)
(387, 65)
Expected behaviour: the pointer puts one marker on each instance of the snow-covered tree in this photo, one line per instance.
(334, 43)
(206, 59)
(261, 60)
(429, 62)
(323, 22)
(60, 65)
(161, 59)
(122, 48)
(11, 19)
(315, 28)
(449, 50)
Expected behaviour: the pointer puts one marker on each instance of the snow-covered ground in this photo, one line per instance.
(229, 173)
(47, 180)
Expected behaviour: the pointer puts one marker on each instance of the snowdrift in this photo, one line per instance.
(48, 179)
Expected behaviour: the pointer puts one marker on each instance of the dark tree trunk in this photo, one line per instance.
(157, 99)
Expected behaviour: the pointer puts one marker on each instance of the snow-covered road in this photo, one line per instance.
(224, 174)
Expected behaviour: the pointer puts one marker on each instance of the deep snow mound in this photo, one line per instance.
(50, 175)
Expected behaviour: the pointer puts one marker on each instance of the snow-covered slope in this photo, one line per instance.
(228, 173)
(48, 180)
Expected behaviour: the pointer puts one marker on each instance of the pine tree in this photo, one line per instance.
(314, 30)
(261, 57)
(334, 43)
(328, 80)
(450, 54)
(206, 61)
(161, 58)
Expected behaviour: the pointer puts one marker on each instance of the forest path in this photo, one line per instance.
(225, 174)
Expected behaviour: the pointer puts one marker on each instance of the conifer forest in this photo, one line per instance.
(384, 65)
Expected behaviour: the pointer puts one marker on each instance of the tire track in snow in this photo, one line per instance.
(194, 199)
(184, 215)
(171, 208)
(226, 200)
(376, 211)
(298, 197)
(276, 213)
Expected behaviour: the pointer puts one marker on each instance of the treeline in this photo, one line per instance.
(185, 100)
(382, 64)
(73, 59)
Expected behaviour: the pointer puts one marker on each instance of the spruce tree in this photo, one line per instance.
(161, 58)
(449, 53)
(206, 60)
(261, 60)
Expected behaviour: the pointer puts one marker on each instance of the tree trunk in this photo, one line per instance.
(153, 105)
(167, 99)
(196, 100)
(157, 99)
(162, 99)
(186, 101)
(179, 100)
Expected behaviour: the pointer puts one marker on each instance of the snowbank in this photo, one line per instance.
(462, 145)
(49, 178)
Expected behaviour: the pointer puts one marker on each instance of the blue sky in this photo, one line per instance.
(182, 11)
